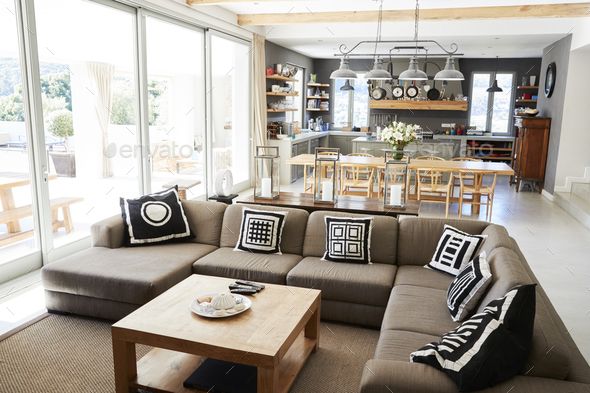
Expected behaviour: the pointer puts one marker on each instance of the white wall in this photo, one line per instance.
(574, 152)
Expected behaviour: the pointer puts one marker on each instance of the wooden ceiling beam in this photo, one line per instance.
(222, 2)
(567, 10)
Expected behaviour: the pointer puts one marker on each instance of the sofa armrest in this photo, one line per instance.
(109, 233)
(386, 376)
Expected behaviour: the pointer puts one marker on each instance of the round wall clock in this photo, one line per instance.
(550, 77)
(412, 91)
(397, 92)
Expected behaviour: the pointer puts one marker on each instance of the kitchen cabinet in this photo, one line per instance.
(342, 142)
(532, 143)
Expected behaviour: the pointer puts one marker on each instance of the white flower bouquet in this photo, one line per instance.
(399, 134)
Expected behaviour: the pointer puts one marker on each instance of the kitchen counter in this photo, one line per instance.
(376, 147)
(475, 138)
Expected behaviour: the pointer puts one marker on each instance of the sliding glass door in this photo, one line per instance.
(19, 235)
(231, 123)
(176, 105)
(89, 94)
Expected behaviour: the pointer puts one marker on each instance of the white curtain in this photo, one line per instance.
(91, 104)
(259, 90)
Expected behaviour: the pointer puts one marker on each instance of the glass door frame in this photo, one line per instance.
(244, 185)
(491, 97)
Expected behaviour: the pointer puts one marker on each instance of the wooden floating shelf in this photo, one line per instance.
(281, 110)
(269, 93)
(527, 87)
(317, 110)
(420, 105)
(312, 84)
(317, 98)
(280, 78)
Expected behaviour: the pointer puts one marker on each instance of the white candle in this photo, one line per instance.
(266, 187)
(327, 190)
(395, 193)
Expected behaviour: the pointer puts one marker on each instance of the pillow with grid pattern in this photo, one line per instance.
(348, 239)
(454, 250)
(260, 231)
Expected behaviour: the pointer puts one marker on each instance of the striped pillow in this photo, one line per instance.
(468, 287)
(454, 250)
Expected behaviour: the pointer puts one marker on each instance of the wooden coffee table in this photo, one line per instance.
(276, 335)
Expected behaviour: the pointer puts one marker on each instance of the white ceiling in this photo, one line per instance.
(476, 38)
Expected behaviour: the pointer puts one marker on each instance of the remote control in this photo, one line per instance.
(244, 291)
(235, 286)
(250, 284)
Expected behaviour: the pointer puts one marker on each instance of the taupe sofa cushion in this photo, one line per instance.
(383, 236)
(130, 274)
(205, 219)
(293, 231)
(421, 277)
(497, 236)
(418, 237)
(399, 344)
(346, 282)
(225, 262)
(507, 273)
(418, 309)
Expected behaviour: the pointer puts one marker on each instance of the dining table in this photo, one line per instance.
(480, 168)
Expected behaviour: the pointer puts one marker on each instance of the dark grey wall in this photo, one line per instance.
(522, 67)
(275, 54)
(558, 52)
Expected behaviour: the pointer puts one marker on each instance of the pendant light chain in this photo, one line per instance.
(416, 19)
(379, 24)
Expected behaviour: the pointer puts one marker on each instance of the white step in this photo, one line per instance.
(576, 202)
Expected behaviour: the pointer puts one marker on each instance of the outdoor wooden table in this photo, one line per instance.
(183, 186)
(345, 203)
(9, 181)
(498, 168)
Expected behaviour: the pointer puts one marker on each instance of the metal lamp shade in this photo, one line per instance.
(378, 72)
(395, 182)
(344, 72)
(267, 182)
(325, 178)
(413, 73)
(347, 86)
(450, 73)
(494, 88)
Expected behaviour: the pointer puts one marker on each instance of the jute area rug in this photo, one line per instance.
(66, 354)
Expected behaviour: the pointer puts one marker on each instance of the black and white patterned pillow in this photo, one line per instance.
(155, 218)
(348, 239)
(454, 250)
(261, 231)
(488, 348)
(468, 287)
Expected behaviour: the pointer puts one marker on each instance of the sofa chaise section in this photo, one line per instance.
(351, 293)
(109, 280)
(268, 268)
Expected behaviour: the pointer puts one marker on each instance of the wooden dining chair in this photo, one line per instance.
(357, 177)
(467, 177)
(477, 188)
(430, 184)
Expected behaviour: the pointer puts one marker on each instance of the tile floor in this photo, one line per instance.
(555, 244)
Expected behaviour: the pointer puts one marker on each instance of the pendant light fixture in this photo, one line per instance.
(378, 72)
(347, 86)
(413, 73)
(344, 72)
(494, 88)
(450, 73)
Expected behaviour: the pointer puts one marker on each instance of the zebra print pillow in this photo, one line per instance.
(488, 348)
(468, 287)
(454, 250)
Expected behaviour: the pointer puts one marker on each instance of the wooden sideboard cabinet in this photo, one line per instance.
(530, 153)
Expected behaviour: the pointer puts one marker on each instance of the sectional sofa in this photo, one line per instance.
(395, 293)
